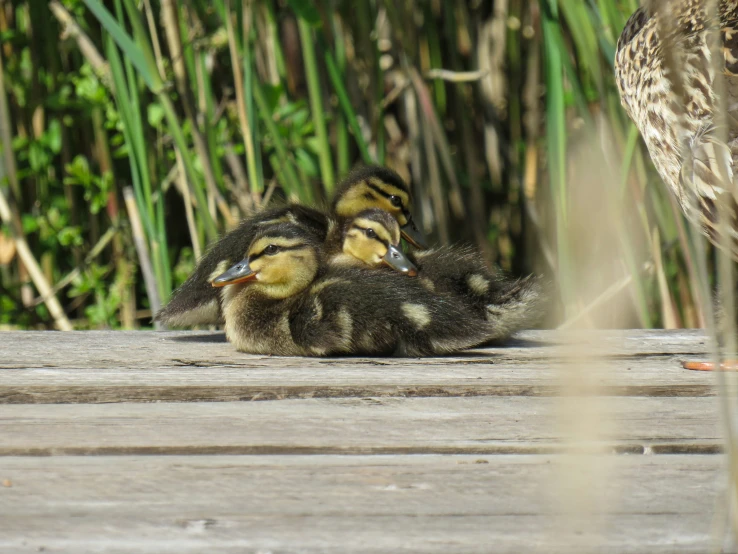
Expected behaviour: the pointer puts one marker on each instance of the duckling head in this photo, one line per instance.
(281, 261)
(373, 237)
(378, 187)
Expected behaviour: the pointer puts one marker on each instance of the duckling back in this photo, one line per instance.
(508, 305)
(352, 310)
(196, 302)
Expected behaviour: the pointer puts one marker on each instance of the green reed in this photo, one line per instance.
(208, 110)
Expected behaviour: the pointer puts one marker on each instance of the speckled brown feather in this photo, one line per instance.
(667, 85)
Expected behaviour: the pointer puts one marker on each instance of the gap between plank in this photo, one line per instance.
(55, 394)
(270, 450)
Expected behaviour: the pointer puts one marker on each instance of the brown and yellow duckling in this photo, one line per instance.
(197, 303)
(283, 300)
(373, 236)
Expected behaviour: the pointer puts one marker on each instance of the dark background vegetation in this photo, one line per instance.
(134, 132)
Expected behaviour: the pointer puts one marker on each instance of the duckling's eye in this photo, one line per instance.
(396, 201)
(271, 250)
(371, 233)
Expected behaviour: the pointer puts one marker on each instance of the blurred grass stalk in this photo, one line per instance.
(579, 99)
(724, 331)
(582, 411)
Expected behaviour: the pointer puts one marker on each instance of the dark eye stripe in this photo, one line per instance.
(281, 249)
(378, 190)
(365, 229)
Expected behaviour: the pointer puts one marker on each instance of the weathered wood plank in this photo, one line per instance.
(147, 366)
(33, 345)
(391, 425)
(338, 504)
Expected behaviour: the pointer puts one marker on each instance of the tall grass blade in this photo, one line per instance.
(316, 105)
(285, 167)
(343, 99)
(556, 139)
(133, 52)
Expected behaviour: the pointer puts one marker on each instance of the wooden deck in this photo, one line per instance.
(175, 442)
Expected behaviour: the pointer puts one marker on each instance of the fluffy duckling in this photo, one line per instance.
(372, 239)
(197, 303)
(282, 300)
(382, 188)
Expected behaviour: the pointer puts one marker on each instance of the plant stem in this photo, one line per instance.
(316, 105)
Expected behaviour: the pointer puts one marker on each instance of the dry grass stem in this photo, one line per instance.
(29, 261)
(139, 239)
(85, 45)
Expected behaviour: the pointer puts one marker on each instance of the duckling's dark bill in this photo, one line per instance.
(239, 273)
(397, 260)
(413, 235)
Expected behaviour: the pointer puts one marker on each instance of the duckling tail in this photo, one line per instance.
(517, 305)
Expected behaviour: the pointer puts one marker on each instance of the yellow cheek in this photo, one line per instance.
(265, 272)
(362, 250)
(374, 255)
(255, 266)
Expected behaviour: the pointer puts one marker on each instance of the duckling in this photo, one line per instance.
(197, 303)
(378, 187)
(283, 300)
(372, 238)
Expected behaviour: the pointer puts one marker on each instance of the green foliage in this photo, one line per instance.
(294, 94)
(96, 187)
(101, 311)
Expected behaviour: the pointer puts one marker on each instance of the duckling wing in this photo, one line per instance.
(196, 302)
(508, 304)
(322, 324)
(365, 311)
(457, 269)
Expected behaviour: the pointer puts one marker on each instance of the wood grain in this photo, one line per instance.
(340, 504)
(158, 442)
(90, 367)
(421, 425)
